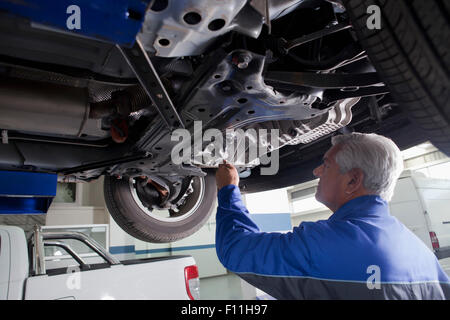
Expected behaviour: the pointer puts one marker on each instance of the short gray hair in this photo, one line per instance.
(378, 157)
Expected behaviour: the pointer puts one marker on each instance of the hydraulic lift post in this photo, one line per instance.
(26, 192)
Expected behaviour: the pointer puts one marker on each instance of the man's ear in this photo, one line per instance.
(355, 182)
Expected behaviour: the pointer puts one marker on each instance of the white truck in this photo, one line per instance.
(423, 205)
(26, 273)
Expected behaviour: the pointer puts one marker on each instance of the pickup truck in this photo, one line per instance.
(26, 273)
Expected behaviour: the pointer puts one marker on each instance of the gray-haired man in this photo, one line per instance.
(360, 252)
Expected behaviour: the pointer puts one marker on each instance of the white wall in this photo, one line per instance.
(273, 201)
(207, 261)
(89, 209)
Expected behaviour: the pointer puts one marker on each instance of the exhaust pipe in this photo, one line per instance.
(51, 109)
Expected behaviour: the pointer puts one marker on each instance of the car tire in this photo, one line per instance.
(140, 223)
(410, 52)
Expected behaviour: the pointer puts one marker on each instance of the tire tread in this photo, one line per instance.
(410, 52)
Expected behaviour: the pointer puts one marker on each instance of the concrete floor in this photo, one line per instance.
(445, 263)
(226, 287)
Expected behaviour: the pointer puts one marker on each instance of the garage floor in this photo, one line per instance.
(226, 287)
(445, 263)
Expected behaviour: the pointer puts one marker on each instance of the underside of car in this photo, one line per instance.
(85, 108)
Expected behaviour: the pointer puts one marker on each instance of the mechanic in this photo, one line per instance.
(360, 252)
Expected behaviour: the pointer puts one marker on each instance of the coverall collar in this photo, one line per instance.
(364, 206)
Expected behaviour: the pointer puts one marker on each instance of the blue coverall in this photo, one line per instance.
(360, 252)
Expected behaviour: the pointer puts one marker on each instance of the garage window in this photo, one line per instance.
(66, 193)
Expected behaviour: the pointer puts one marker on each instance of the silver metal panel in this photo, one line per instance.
(187, 27)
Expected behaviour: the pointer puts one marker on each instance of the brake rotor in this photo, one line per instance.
(151, 193)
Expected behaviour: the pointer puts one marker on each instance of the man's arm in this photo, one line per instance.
(243, 248)
(267, 260)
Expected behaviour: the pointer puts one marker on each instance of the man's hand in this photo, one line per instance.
(226, 174)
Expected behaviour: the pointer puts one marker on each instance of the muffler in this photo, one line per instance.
(42, 108)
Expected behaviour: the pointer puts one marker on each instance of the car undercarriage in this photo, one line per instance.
(84, 107)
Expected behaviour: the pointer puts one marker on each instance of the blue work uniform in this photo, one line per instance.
(360, 252)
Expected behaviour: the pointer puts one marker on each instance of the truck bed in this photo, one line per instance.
(154, 278)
